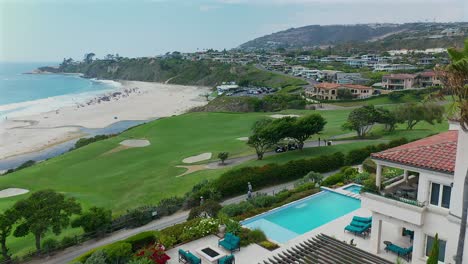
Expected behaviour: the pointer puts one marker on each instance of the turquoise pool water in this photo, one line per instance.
(354, 188)
(290, 221)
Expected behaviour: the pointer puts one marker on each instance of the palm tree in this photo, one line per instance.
(455, 78)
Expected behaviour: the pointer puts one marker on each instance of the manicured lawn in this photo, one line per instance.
(142, 176)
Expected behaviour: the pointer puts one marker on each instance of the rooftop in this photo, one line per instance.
(338, 85)
(436, 153)
(399, 76)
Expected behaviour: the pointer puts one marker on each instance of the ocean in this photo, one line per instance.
(25, 94)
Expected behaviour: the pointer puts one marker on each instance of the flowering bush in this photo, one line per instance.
(203, 228)
(155, 252)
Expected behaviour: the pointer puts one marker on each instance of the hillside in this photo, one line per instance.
(173, 70)
(316, 35)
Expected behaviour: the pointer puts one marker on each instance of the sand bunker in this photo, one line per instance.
(197, 158)
(135, 143)
(281, 116)
(243, 138)
(9, 192)
(191, 169)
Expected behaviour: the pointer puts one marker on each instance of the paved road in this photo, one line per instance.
(308, 144)
(73, 252)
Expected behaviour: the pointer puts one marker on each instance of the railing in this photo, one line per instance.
(395, 198)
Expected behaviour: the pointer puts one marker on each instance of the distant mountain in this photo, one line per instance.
(316, 35)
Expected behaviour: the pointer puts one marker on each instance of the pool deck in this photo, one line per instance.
(256, 254)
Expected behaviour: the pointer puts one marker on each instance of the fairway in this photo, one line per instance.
(131, 177)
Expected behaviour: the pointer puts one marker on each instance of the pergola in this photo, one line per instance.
(324, 249)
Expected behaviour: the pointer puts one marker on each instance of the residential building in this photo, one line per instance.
(403, 81)
(227, 87)
(357, 63)
(329, 91)
(393, 67)
(350, 78)
(329, 75)
(398, 81)
(428, 78)
(426, 61)
(427, 199)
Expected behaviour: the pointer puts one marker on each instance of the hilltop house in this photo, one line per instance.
(350, 78)
(408, 81)
(329, 91)
(393, 67)
(426, 200)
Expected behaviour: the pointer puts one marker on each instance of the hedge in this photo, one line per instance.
(142, 239)
(234, 182)
(333, 179)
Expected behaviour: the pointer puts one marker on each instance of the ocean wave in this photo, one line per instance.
(48, 104)
(107, 82)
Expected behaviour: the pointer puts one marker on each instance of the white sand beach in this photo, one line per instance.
(133, 101)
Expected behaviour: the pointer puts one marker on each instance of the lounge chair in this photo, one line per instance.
(401, 252)
(362, 231)
(230, 242)
(362, 219)
(188, 258)
(409, 233)
(358, 224)
(227, 260)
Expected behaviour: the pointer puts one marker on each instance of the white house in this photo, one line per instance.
(226, 87)
(427, 200)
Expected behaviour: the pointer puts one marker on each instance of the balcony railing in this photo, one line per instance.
(396, 198)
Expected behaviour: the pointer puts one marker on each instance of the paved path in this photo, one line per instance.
(71, 253)
(308, 144)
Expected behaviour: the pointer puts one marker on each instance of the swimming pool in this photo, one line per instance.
(354, 188)
(287, 222)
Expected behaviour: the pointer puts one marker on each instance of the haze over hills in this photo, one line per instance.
(393, 35)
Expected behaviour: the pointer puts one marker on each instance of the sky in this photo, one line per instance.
(49, 30)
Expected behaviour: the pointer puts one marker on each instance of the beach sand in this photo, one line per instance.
(145, 100)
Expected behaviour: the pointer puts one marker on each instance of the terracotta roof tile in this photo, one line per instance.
(437, 152)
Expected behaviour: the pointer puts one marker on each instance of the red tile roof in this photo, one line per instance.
(435, 153)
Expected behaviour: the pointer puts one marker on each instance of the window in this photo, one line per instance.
(442, 244)
(440, 195)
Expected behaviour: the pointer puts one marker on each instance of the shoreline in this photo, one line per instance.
(134, 100)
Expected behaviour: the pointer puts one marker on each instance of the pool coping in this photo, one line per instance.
(342, 190)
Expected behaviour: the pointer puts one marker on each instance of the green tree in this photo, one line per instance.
(97, 219)
(88, 57)
(344, 94)
(42, 211)
(361, 120)
(434, 255)
(223, 156)
(98, 257)
(7, 221)
(264, 137)
(388, 118)
(304, 127)
(412, 114)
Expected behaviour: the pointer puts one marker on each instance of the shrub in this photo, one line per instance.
(198, 230)
(304, 187)
(86, 141)
(209, 208)
(50, 244)
(97, 257)
(268, 245)
(169, 206)
(68, 241)
(237, 209)
(118, 252)
(142, 239)
(263, 200)
(233, 227)
(370, 185)
(361, 177)
(333, 179)
(167, 241)
(97, 219)
(248, 236)
(369, 166)
(234, 181)
(140, 261)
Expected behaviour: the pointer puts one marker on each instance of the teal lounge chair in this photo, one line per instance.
(401, 252)
(230, 242)
(361, 231)
(358, 224)
(362, 219)
(227, 260)
(188, 258)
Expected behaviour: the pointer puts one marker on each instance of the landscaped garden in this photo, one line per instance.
(101, 175)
